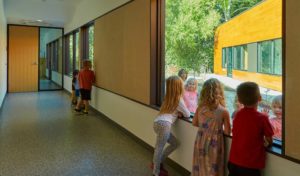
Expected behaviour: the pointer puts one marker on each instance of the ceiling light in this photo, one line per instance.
(39, 20)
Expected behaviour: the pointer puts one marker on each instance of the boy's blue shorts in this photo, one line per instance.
(77, 92)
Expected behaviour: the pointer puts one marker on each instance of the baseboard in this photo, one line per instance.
(170, 162)
(2, 104)
(69, 93)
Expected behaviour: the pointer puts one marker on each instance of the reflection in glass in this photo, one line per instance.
(50, 59)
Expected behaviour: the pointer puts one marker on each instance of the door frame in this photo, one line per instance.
(39, 38)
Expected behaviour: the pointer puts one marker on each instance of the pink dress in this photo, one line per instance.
(209, 144)
(191, 100)
(277, 126)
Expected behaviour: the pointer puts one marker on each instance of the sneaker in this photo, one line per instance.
(85, 112)
(162, 169)
(77, 110)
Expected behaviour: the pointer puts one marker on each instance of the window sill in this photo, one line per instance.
(275, 149)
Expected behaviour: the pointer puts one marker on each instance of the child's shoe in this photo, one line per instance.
(77, 110)
(162, 169)
(85, 112)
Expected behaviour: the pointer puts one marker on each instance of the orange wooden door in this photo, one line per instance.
(23, 59)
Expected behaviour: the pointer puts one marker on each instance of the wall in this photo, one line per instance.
(262, 22)
(88, 10)
(56, 77)
(3, 54)
(292, 63)
(138, 119)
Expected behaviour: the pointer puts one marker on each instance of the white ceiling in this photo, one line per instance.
(30, 12)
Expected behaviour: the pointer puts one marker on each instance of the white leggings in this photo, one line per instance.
(164, 135)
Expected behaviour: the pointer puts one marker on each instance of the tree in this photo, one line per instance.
(232, 8)
(189, 33)
(190, 29)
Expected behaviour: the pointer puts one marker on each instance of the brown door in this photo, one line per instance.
(23, 58)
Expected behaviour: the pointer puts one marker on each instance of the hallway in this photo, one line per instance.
(40, 135)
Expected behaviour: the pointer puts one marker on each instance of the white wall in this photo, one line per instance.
(56, 77)
(138, 119)
(3, 55)
(68, 83)
(88, 10)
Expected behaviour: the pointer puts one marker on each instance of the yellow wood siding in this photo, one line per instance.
(262, 22)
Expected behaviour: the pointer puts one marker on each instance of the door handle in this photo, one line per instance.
(34, 63)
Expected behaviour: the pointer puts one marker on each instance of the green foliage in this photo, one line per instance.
(190, 28)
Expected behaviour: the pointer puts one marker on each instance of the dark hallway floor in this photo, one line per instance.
(40, 135)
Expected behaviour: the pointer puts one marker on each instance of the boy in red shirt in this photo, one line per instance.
(86, 78)
(251, 133)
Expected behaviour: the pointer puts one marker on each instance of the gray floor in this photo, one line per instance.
(46, 84)
(40, 135)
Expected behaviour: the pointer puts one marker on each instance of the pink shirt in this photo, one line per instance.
(191, 100)
(277, 126)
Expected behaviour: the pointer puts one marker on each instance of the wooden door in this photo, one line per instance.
(23, 58)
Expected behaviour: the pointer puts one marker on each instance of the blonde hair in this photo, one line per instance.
(212, 94)
(277, 100)
(190, 80)
(174, 91)
(87, 63)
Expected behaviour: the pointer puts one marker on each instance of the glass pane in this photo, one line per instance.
(50, 76)
(202, 38)
(265, 64)
(77, 59)
(70, 54)
(278, 57)
(91, 43)
(224, 58)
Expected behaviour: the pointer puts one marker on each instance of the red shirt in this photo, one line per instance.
(248, 131)
(86, 79)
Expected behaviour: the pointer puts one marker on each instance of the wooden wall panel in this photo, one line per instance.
(23, 58)
(262, 22)
(292, 96)
(122, 51)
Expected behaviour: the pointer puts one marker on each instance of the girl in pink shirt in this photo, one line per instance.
(276, 120)
(190, 95)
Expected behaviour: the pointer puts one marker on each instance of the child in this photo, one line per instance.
(211, 116)
(172, 106)
(250, 131)
(276, 121)
(237, 106)
(75, 87)
(183, 74)
(86, 78)
(190, 95)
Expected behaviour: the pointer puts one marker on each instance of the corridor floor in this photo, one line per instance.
(40, 135)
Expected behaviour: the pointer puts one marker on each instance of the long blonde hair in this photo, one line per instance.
(212, 94)
(174, 91)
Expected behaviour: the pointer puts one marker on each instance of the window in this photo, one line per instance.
(270, 57)
(197, 37)
(91, 43)
(77, 59)
(224, 58)
(87, 42)
(240, 57)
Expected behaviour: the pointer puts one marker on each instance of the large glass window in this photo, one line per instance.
(91, 43)
(50, 75)
(199, 38)
(77, 58)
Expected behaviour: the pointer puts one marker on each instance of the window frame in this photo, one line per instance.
(273, 50)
